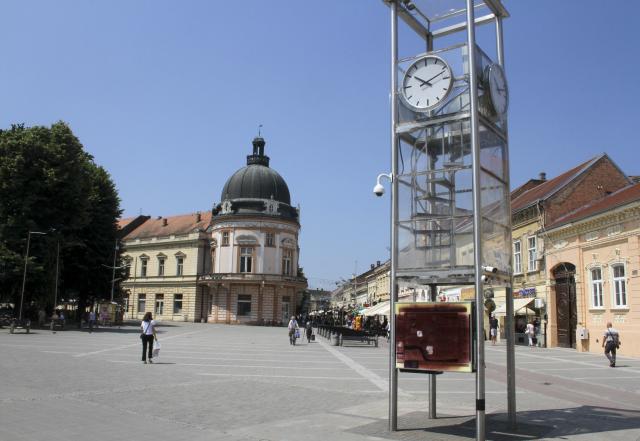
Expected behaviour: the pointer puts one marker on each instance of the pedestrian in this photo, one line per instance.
(530, 331)
(388, 329)
(493, 329)
(309, 331)
(92, 320)
(148, 335)
(611, 343)
(292, 327)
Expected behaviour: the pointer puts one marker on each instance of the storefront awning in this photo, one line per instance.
(378, 309)
(519, 307)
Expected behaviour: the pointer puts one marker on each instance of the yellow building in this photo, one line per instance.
(165, 257)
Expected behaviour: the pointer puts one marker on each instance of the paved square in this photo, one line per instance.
(248, 383)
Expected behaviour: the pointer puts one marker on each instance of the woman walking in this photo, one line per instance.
(148, 335)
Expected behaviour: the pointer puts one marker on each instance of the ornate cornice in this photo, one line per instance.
(270, 224)
(596, 222)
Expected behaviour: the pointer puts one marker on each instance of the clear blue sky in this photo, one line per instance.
(168, 95)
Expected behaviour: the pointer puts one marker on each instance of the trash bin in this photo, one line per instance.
(335, 339)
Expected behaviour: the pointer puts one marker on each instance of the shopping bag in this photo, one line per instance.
(313, 337)
(297, 333)
(156, 349)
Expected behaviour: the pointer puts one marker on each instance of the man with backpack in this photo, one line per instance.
(611, 343)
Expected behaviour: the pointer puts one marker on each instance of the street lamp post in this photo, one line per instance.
(24, 274)
(55, 295)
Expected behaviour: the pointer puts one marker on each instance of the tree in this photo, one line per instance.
(49, 183)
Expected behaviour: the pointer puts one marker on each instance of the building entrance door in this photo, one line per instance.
(566, 312)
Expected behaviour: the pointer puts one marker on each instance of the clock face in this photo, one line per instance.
(426, 83)
(498, 90)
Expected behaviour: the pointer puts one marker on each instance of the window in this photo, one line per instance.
(533, 255)
(619, 286)
(179, 265)
(225, 238)
(213, 260)
(246, 259)
(161, 265)
(596, 287)
(177, 303)
(517, 257)
(286, 262)
(270, 240)
(142, 302)
(143, 267)
(159, 309)
(244, 304)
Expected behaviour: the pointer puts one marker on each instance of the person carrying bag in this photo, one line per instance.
(148, 336)
(611, 343)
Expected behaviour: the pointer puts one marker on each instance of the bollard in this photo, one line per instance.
(432, 396)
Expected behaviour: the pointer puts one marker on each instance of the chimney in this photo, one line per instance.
(198, 217)
(164, 222)
(372, 266)
(378, 263)
(543, 176)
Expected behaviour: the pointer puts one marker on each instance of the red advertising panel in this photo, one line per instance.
(434, 336)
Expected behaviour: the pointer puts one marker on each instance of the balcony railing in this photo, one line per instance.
(250, 277)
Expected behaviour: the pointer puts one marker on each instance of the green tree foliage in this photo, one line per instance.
(49, 183)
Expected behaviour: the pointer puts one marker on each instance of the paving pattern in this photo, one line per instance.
(248, 383)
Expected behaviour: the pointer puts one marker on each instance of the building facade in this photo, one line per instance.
(253, 276)
(598, 247)
(534, 206)
(165, 256)
(237, 264)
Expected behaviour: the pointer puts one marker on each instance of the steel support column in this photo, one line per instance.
(477, 224)
(393, 292)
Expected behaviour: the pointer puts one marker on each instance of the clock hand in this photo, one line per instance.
(421, 80)
(433, 77)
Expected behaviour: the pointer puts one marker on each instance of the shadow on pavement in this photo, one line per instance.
(531, 425)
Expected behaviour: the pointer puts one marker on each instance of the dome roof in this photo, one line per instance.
(256, 180)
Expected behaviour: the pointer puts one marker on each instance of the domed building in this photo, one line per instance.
(235, 264)
(254, 247)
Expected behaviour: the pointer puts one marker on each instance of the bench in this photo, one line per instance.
(349, 334)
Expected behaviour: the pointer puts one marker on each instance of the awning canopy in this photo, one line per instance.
(378, 309)
(519, 307)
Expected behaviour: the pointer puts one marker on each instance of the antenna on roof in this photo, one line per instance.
(259, 127)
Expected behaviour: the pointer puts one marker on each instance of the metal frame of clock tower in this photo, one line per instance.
(450, 199)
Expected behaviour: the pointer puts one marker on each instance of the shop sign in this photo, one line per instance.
(525, 292)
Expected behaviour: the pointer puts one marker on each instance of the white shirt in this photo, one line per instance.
(293, 324)
(148, 327)
(530, 329)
